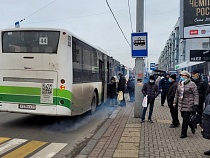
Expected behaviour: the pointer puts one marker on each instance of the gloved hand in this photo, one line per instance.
(195, 108)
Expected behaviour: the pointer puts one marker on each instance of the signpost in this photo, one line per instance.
(199, 55)
(139, 50)
(17, 24)
(152, 66)
(139, 44)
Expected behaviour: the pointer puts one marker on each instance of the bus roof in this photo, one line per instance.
(54, 29)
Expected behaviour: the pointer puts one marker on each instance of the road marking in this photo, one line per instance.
(10, 145)
(25, 149)
(49, 151)
(18, 149)
(3, 139)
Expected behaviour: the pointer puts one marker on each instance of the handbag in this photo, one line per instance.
(120, 96)
(144, 102)
(195, 118)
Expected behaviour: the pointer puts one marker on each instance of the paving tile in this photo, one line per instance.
(132, 129)
(126, 153)
(128, 146)
(132, 134)
(133, 125)
(130, 139)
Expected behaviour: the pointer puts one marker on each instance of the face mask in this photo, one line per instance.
(151, 81)
(169, 80)
(182, 78)
(194, 78)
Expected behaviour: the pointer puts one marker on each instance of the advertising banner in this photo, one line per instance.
(195, 16)
(199, 55)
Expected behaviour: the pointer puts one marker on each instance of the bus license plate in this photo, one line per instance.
(27, 106)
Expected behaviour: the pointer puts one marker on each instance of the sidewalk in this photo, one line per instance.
(124, 136)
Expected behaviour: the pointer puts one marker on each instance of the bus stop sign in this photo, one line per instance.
(139, 44)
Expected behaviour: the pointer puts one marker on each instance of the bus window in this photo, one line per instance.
(30, 41)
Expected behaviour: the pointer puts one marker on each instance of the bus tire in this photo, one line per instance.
(93, 104)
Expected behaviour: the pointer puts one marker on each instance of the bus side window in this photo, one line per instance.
(35, 49)
(48, 50)
(23, 49)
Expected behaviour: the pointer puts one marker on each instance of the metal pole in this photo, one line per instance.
(139, 62)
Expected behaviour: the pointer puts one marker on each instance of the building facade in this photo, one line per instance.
(176, 53)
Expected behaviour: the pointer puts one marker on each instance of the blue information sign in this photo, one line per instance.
(152, 66)
(139, 44)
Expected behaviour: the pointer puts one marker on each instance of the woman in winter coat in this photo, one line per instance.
(151, 90)
(187, 98)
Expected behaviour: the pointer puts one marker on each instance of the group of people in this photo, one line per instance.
(187, 95)
(115, 86)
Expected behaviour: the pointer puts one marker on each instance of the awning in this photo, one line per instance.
(187, 64)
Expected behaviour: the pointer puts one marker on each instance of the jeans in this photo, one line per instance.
(151, 106)
(131, 94)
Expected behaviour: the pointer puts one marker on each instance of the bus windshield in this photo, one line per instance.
(30, 41)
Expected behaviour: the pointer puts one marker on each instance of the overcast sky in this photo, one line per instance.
(92, 21)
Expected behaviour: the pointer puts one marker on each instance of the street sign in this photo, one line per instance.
(139, 44)
(152, 66)
(199, 55)
(17, 24)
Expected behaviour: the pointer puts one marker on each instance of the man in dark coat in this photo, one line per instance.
(121, 87)
(164, 85)
(206, 121)
(202, 89)
(131, 88)
(170, 99)
(151, 90)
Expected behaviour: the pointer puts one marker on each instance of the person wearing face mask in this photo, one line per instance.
(170, 99)
(202, 89)
(151, 90)
(187, 98)
(164, 85)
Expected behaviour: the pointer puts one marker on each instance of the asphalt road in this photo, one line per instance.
(74, 132)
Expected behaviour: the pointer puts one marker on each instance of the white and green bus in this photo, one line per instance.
(48, 71)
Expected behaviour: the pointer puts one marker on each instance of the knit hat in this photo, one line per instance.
(173, 76)
(152, 78)
(195, 72)
(185, 73)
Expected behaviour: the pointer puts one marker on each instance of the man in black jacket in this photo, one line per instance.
(121, 87)
(164, 85)
(170, 99)
(151, 90)
(202, 89)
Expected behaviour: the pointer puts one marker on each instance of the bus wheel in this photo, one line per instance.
(93, 104)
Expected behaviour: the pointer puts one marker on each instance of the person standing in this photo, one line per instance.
(187, 98)
(170, 99)
(151, 90)
(206, 121)
(121, 87)
(112, 91)
(164, 85)
(131, 88)
(202, 89)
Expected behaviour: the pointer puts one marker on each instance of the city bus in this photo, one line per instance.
(50, 71)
